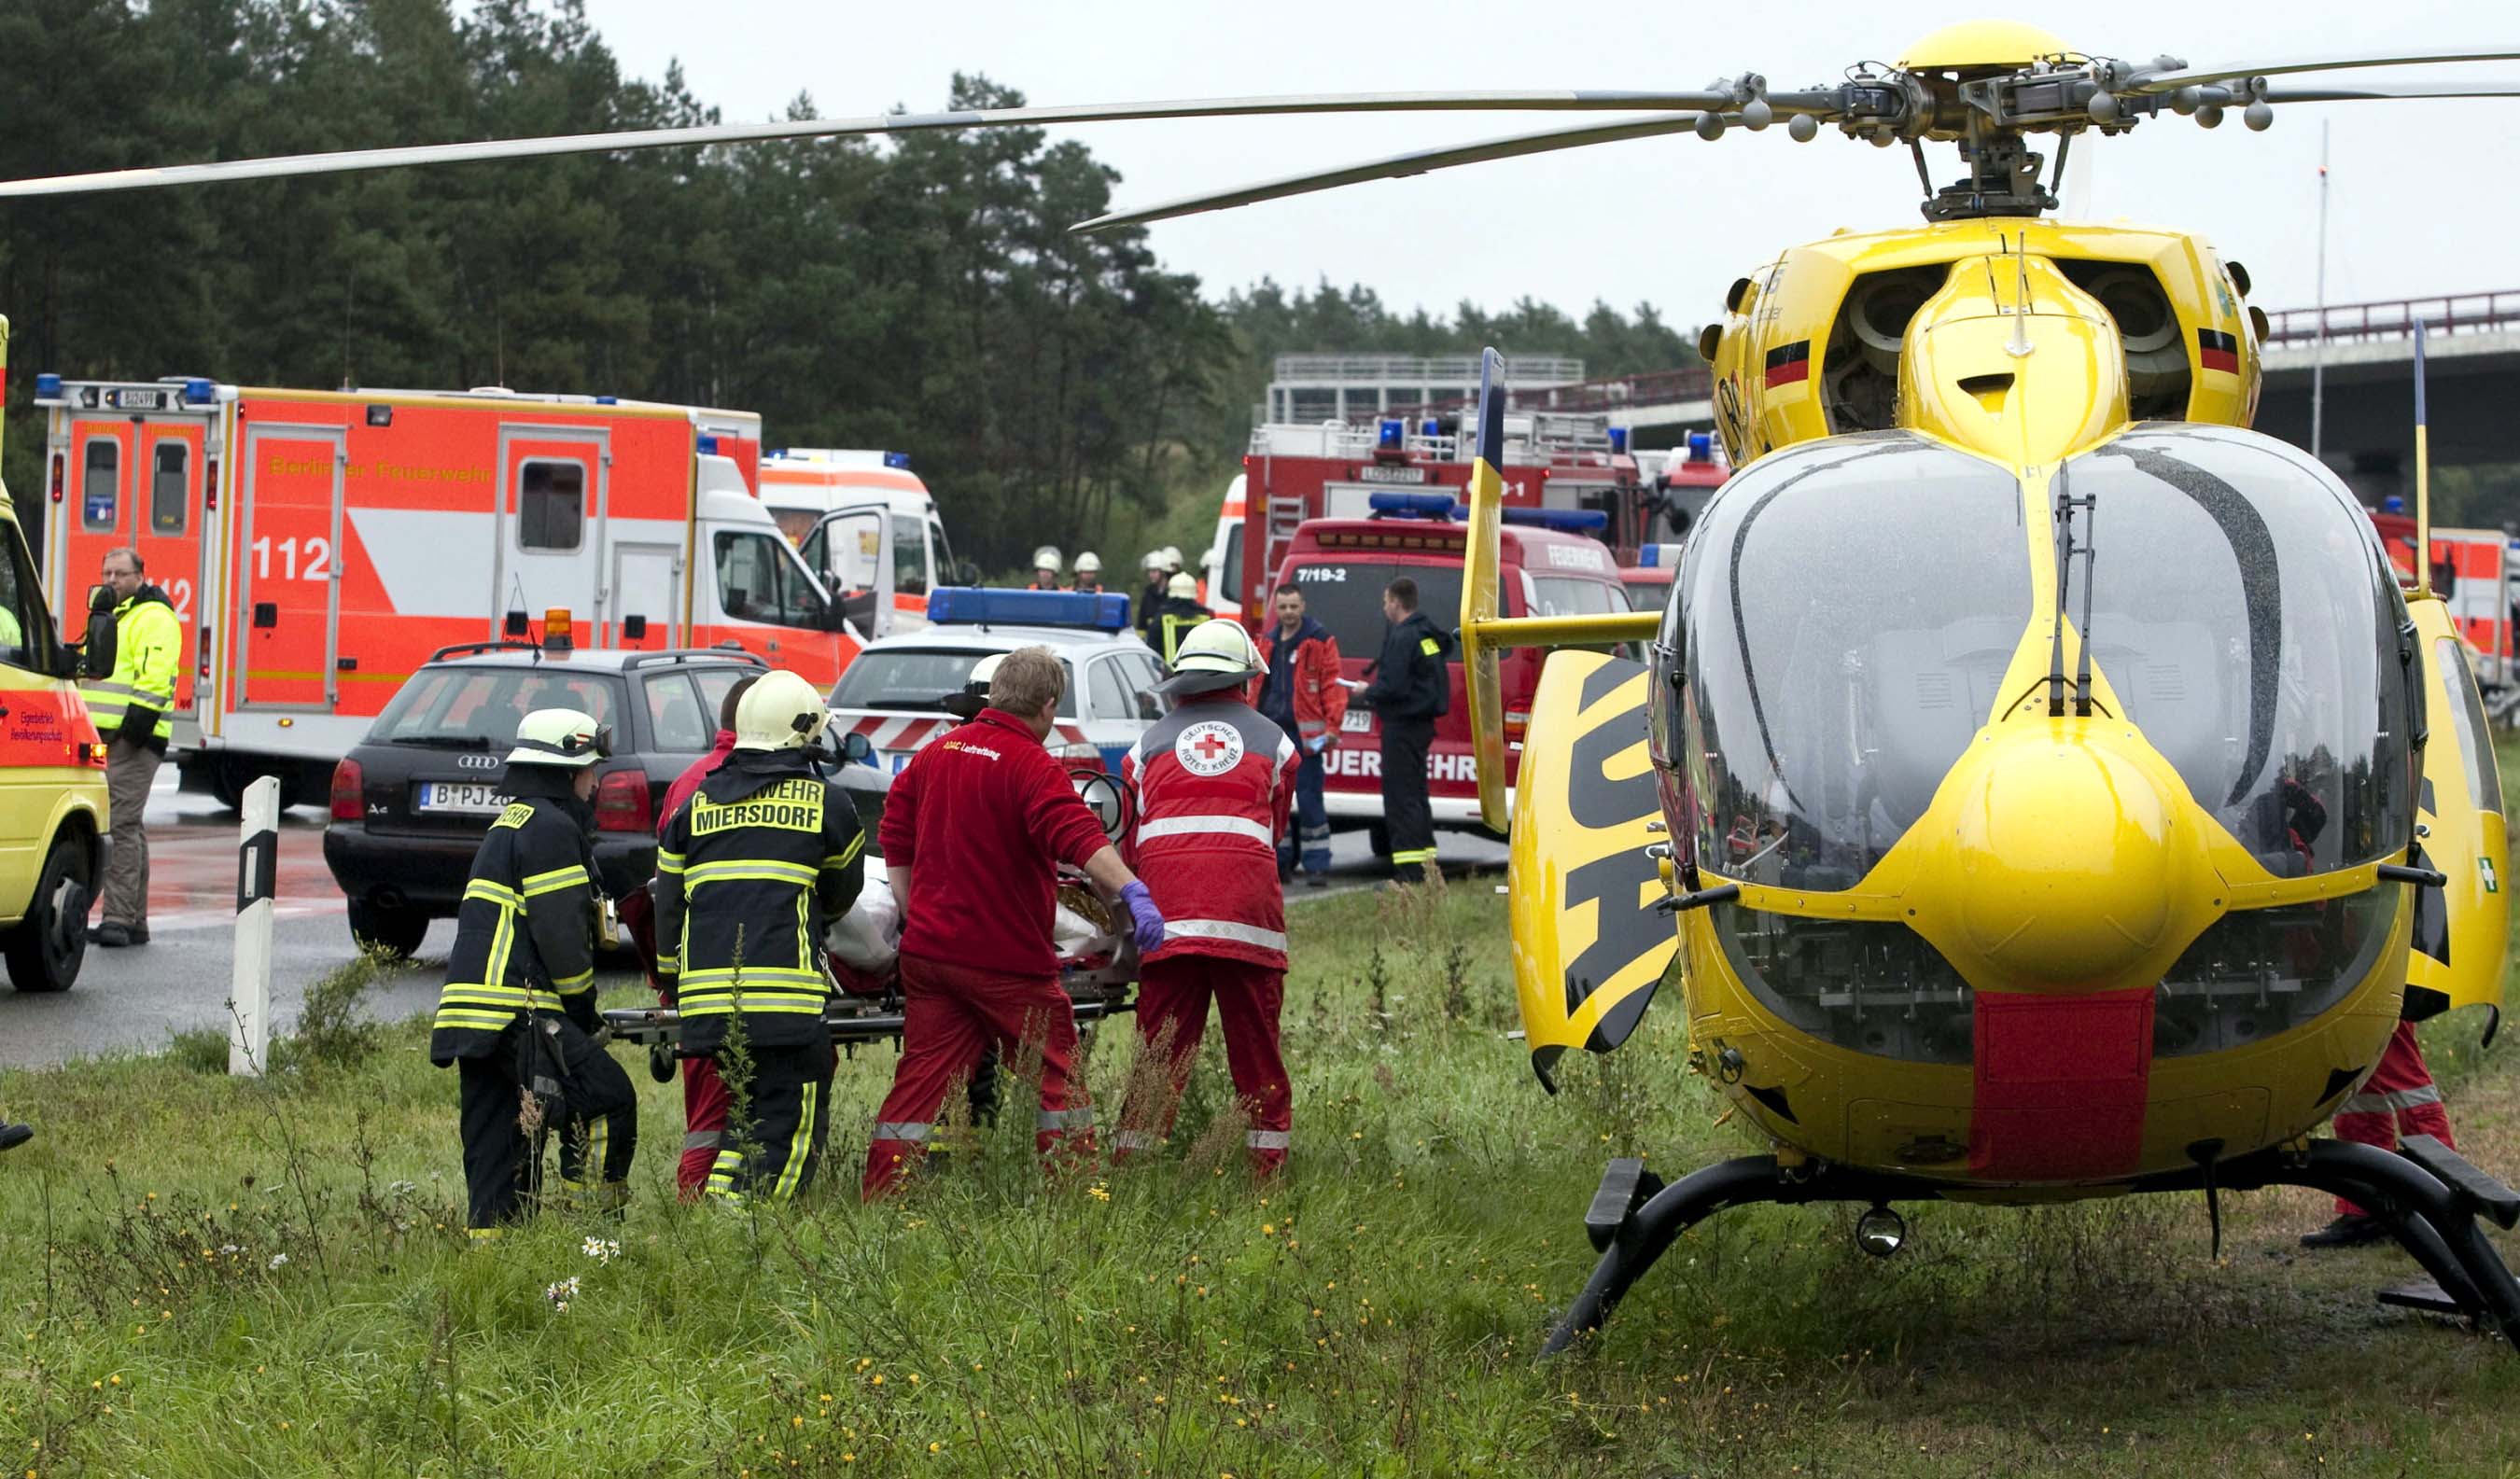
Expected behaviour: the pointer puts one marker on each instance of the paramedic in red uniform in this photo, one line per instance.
(973, 832)
(1214, 782)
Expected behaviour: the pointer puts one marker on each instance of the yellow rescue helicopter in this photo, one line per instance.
(2056, 791)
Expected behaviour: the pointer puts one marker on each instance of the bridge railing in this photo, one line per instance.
(2355, 323)
(1656, 388)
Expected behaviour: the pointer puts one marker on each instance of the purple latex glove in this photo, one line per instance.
(1147, 922)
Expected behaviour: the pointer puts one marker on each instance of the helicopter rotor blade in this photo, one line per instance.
(2168, 81)
(2391, 88)
(347, 160)
(1398, 166)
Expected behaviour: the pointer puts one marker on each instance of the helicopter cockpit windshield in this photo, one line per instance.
(1846, 613)
(2245, 622)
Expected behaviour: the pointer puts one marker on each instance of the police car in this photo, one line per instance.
(893, 692)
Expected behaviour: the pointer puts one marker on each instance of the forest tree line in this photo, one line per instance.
(920, 294)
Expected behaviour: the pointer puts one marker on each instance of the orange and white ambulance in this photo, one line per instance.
(318, 546)
(868, 527)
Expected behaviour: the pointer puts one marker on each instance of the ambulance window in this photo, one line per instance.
(171, 504)
(946, 570)
(551, 506)
(909, 557)
(758, 579)
(1234, 565)
(23, 624)
(100, 486)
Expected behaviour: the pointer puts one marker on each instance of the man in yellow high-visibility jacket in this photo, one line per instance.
(134, 713)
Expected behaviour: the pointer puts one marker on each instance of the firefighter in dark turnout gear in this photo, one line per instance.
(517, 1015)
(748, 874)
(1411, 686)
(1174, 620)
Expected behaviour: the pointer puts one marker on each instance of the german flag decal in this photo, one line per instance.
(2215, 351)
(1790, 364)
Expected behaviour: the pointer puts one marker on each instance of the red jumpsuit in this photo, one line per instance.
(1214, 784)
(2398, 1098)
(981, 818)
(705, 1102)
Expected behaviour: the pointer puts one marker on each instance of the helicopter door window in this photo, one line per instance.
(2467, 712)
(2240, 619)
(1844, 614)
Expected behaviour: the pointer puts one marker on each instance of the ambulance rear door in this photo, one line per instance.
(853, 551)
(553, 483)
(287, 565)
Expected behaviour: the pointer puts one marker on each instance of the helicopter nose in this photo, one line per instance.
(2070, 858)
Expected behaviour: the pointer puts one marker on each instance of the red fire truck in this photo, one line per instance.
(1552, 461)
(2472, 572)
(319, 546)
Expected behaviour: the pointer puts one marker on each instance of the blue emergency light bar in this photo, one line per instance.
(708, 446)
(1659, 556)
(1430, 427)
(899, 460)
(1619, 441)
(1395, 505)
(1563, 520)
(48, 385)
(1388, 434)
(199, 393)
(969, 605)
(1701, 446)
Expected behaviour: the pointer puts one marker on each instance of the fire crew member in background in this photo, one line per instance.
(1180, 612)
(1214, 781)
(1045, 568)
(517, 1015)
(1150, 599)
(1411, 686)
(747, 874)
(1300, 694)
(134, 712)
(1172, 560)
(705, 1102)
(1089, 573)
(973, 832)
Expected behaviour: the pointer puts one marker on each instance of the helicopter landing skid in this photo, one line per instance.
(2426, 1194)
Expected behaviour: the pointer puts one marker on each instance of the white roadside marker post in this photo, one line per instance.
(257, 873)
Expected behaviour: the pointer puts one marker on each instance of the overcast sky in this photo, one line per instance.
(2424, 194)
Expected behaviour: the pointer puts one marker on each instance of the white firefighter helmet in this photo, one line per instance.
(1181, 587)
(1088, 563)
(567, 738)
(1215, 653)
(974, 694)
(780, 711)
(1046, 558)
(1172, 558)
(1154, 563)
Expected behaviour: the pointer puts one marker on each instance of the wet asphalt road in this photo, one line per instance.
(134, 1000)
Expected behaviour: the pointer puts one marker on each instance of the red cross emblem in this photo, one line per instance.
(1210, 748)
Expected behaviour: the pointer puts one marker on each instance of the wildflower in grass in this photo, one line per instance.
(560, 1293)
(278, 1261)
(601, 1249)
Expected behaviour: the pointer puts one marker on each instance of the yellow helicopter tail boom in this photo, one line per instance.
(1485, 633)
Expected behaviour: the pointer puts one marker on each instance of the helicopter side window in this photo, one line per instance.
(1848, 611)
(2241, 620)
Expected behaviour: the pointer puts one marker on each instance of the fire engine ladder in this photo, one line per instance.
(1284, 513)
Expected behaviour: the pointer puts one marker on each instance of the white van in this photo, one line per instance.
(868, 527)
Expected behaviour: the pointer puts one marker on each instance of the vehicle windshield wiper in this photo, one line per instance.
(444, 742)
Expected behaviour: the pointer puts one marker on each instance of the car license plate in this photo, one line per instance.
(461, 797)
(1356, 721)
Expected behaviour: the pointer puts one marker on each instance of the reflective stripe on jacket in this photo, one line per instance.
(524, 934)
(1214, 782)
(1318, 703)
(149, 644)
(748, 874)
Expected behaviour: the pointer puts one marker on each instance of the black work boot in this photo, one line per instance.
(2353, 1230)
(112, 934)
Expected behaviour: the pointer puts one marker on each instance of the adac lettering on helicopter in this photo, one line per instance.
(1583, 919)
(2218, 350)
